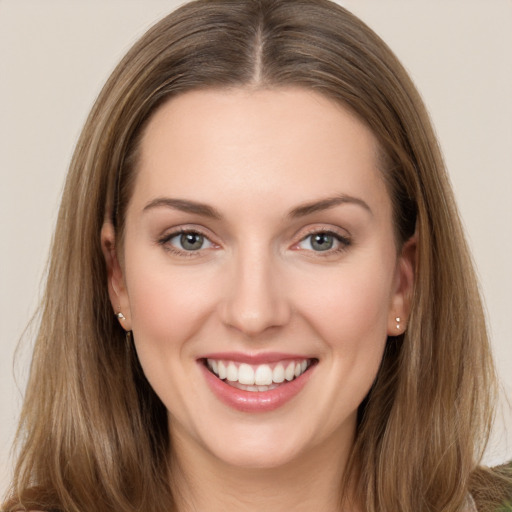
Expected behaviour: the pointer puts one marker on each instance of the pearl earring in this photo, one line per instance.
(120, 316)
(397, 322)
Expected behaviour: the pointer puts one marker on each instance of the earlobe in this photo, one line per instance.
(115, 279)
(403, 290)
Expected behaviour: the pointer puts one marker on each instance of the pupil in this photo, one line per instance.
(322, 242)
(191, 241)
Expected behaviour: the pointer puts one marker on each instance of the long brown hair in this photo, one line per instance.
(93, 435)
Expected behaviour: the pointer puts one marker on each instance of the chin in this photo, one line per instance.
(260, 446)
(257, 459)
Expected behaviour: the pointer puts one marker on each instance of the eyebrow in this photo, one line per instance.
(325, 204)
(303, 210)
(185, 206)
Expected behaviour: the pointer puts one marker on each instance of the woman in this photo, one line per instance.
(259, 199)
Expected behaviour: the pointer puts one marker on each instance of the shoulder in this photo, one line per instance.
(491, 488)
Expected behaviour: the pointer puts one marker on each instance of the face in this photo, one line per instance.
(259, 272)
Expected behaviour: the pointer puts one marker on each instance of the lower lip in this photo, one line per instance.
(255, 401)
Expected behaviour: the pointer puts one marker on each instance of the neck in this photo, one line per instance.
(310, 482)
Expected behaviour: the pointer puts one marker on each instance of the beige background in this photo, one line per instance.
(55, 55)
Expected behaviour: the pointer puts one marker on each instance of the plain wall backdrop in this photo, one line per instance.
(56, 54)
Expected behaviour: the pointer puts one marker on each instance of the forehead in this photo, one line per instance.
(285, 144)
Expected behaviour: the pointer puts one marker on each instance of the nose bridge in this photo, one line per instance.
(254, 301)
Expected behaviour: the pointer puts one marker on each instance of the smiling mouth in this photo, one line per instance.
(261, 377)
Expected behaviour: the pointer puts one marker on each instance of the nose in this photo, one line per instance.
(255, 299)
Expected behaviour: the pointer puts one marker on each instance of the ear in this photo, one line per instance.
(116, 284)
(403, 288)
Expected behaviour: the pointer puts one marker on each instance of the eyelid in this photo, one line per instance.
(344, 239)
(341, 235)
(322, 228)
(181, 233)
(164, 240)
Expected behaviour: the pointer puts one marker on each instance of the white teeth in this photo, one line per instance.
(245, 374)
(222, 371)
(232, 373)
(256, 378)
(289, 373)
(278, 374)
(263, 375)
(253, 388)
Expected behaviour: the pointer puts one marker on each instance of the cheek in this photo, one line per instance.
(168, 306)
(167, 303)
(349, 304)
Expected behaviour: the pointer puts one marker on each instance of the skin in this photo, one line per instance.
(258, 285)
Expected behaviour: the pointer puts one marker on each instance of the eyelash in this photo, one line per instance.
(165, 242)
(343, 241)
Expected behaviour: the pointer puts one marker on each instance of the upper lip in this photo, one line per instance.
(255, 358)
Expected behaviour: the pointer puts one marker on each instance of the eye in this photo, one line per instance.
(323, 241)
(187, 241)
